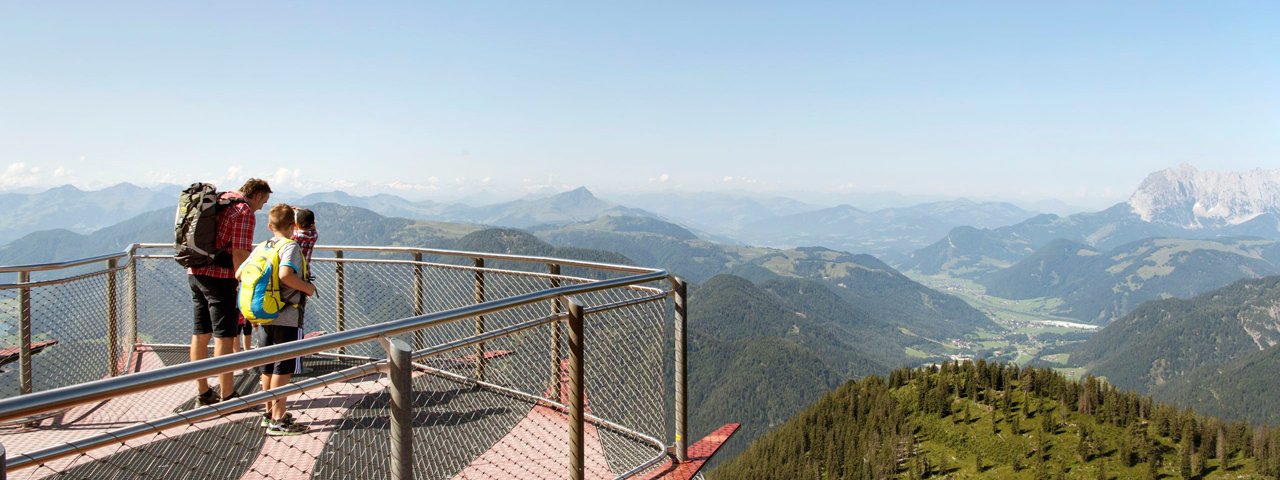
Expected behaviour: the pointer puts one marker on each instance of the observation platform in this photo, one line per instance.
(484, 401)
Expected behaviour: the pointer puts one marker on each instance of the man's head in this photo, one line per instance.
(305, 218)
(257, 192)
(280, 219)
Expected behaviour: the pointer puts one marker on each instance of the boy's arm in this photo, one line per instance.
(292, 280)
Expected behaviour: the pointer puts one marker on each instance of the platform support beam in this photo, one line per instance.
(577, 395)
(682, 368)
(400, 371)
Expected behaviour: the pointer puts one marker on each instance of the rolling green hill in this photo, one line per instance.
(996, 421)
(875, 287)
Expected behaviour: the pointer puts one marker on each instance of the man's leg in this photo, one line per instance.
(200, 351)
(226, 381)
(203, 326)
(222, 307)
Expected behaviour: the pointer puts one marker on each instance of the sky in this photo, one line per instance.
(1074, 101)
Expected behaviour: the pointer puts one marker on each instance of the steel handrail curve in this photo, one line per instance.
(464, 254)
(43, 267)
(65, 397)
(128, 253)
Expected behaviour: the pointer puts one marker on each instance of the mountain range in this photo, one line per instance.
(1192, 199)
(76, 210)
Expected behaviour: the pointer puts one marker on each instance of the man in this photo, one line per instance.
(213, 287)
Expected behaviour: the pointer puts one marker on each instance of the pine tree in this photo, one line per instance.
(1184, 462)
(1202, 463)
(1126, 449)
(1222, 450)
(1102, 470)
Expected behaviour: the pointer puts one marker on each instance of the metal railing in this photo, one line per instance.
(615, 367)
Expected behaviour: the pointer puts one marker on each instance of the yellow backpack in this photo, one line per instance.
(260, 300)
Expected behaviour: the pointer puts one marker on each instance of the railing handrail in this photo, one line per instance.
(64, 397)
(44, 267)
(465, 254)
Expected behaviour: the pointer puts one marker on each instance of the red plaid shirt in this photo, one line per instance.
(306, 239)
(235, 232)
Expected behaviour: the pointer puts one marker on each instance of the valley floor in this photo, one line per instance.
(1031, 332)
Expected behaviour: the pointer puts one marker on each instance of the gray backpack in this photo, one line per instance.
(195, 228)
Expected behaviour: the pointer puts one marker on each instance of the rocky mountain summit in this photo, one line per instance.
(1195, 199)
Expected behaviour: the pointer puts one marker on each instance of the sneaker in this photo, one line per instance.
(207, 398)
(286, 427)
(266, 419)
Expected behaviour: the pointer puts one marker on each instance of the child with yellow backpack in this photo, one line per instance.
(272, 288)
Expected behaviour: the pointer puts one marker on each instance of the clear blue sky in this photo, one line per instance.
(1022, 100)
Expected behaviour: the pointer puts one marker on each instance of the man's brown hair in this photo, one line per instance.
(281, 218)
(254, 186)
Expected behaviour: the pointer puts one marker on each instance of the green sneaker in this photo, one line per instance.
(266, 418)
(286, 427)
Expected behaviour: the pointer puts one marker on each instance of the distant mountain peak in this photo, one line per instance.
(1191, 198)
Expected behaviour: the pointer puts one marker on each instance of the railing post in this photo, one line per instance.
(682, 368)
(4, 465)
(479, 297)
(400, 370)
(554, 270)
(577, 428)
(131, 330)
(340, 307)
(24, 334)
(113, 321)
(419, 302)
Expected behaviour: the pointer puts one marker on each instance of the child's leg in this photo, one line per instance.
(246, 336)
(277, 381)
(265, 383)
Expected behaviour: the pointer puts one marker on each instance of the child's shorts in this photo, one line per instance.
(269, 335)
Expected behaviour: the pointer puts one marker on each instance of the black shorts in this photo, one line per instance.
(214, 301)
(269, 335)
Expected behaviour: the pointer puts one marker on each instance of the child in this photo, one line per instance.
(304, 232)
(287, 327)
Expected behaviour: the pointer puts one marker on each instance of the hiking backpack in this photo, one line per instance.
(195, 227)
(260, 300)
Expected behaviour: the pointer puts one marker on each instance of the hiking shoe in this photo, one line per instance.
(266, 419)
(286, 427)
(207, 398)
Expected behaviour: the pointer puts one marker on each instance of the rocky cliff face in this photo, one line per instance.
(1194, 199)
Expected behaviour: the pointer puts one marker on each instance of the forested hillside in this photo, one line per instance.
(758, 354)
(1168, 339)
(999, 421)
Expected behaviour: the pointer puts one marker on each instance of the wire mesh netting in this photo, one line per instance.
(495, 409)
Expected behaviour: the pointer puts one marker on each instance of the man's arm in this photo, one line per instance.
(238, 256)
